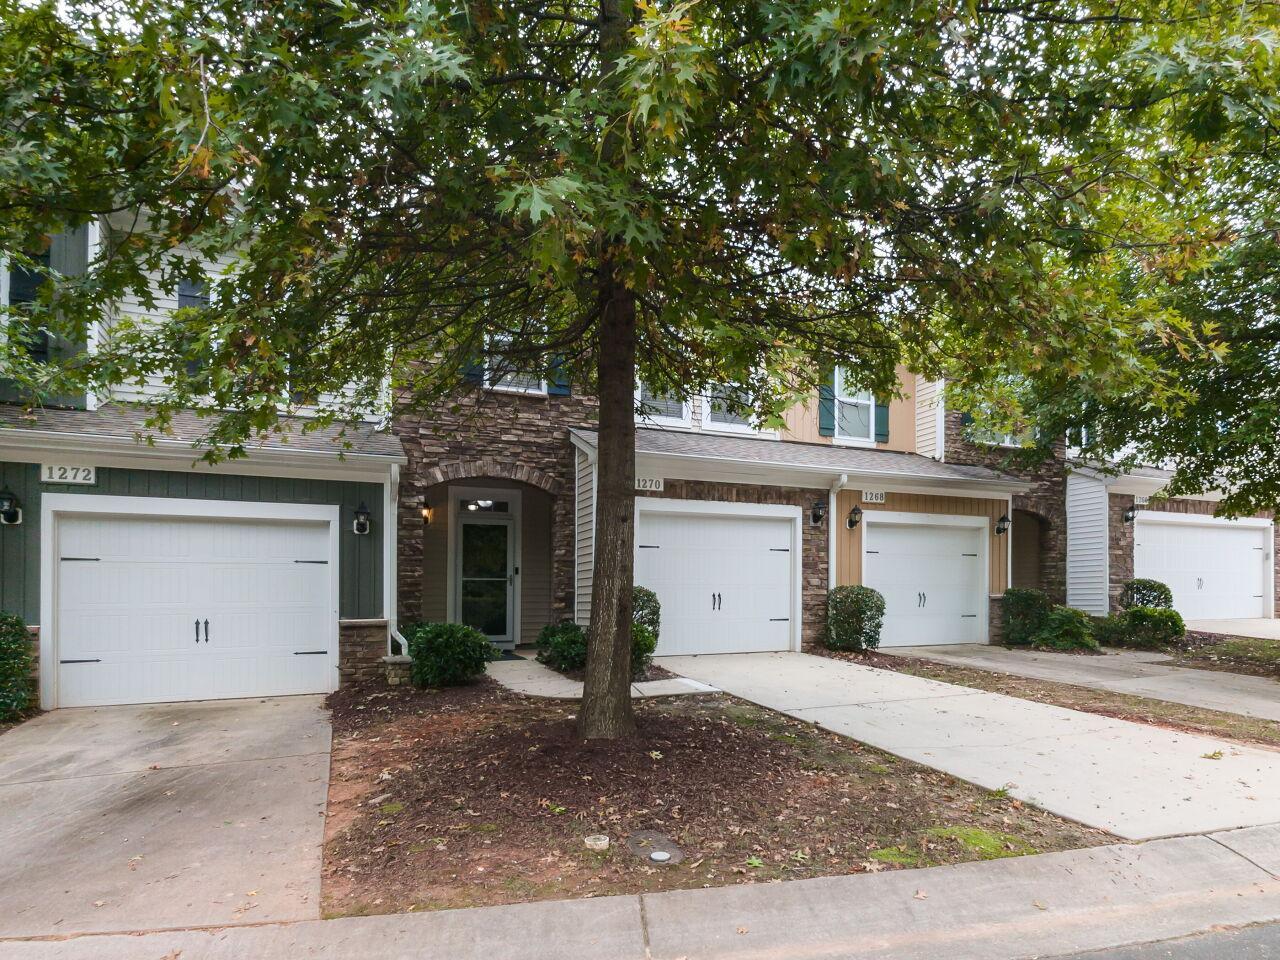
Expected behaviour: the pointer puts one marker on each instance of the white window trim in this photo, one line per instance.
(685, 420)
(55, 505)
(711, 426)
(837, 396)
(497, 386)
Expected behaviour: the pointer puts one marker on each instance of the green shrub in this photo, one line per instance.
(15, 667)
(1066, 628)
(646, 610)
(1023, 613)
(447, 654)
(1153, 628)
(854, 617)
(1111, 631)
(563, 646)
(1145, 593)
(643, 642)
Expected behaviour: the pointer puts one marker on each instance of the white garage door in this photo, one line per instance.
(154, 609)
(1215, 570)
(725, 582)
(933, 581)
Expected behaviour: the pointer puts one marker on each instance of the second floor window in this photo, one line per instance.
(728, 408)
(24, 287)
(661, 408)
(855, 411)
(499, 375)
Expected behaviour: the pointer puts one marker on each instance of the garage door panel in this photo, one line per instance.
(724, 582)
(932, 580)
(1216, 570)
(134, 609)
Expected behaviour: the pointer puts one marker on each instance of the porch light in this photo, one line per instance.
(362, 524)
(1002, 525)
(10, 512)
(1131, 515)
(818, 512)
(854, 518)
(426, 513)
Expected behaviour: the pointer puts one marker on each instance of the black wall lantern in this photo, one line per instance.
(10, 512)
(818, 512)
(854, 518)
(362, 521)
(1002, 525)
(1131, 515)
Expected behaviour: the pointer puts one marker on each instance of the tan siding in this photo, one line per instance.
(849, 542)
(435, 558)
(802, 423)
(926, 413)
(535, 564)
(902, 416)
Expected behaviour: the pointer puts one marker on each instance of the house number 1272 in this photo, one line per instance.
(66, 473)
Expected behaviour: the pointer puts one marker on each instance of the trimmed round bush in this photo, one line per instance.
(447, 654)
(563, 646)
(1111, 631)
(1153, 628)
(643, 642)
(1066, 628)
(1142, 592)
(646, 610)
(1023, 613)
(854, 617)
(15, 667)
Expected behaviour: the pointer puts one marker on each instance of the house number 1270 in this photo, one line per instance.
(66, 473)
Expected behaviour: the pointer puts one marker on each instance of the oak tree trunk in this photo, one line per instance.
(606, 698)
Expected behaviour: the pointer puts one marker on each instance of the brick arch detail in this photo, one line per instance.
(494, 469)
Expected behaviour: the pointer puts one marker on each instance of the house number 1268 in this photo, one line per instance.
(66, 473)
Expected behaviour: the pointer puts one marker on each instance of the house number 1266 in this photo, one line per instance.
(66, 473)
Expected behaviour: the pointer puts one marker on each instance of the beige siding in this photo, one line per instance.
(584, 542)
(928, 396)
(849, 542)
(435, 558)
(801, 421)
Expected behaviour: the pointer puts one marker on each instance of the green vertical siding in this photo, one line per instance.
(360, 558)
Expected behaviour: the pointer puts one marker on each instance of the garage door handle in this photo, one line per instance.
(206, 631)
(197, 629)
(309, 653)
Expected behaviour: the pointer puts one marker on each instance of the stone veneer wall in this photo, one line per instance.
(813, 576)
(1120, 560)
(510, 436)
(361, 647)
(1047, 499)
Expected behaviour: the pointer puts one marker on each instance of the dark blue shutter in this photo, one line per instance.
(558, 384)
(827, 409)
(473, 373)
(192, 293)
(882, 419)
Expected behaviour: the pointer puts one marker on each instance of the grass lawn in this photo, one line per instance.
(1251, 655)
(479, 796)
(1123, 706)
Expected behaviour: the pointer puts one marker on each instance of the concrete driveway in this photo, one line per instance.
(163, 815)
(1265, 629)
(1141, 673)
(1136, 781)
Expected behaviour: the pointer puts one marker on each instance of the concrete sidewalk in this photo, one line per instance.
(1264, 628)
(533, 679)
(1134, 780)
(1134, 672)
(1024, 907)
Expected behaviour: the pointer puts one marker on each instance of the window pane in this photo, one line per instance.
(656, 405)
(853, 420)
(192, 294)
(720, 412)
(519, 381)
(484, 550)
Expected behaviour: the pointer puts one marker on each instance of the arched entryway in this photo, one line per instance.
(1027, 544)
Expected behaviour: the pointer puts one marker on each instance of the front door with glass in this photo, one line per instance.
(486, 576)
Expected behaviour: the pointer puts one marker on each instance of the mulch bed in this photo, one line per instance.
(480, 796)
(1214, 651)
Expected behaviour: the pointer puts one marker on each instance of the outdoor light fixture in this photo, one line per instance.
(363, 516)
(484, 504)
(818, 512)
(1002, 525)
(426, 512)
(854, 518)
(1131, 515)
(10, 512)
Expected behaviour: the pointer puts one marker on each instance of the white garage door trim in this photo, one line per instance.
(1200, 520)
(896, 518)
(712, 508)
(56, 505)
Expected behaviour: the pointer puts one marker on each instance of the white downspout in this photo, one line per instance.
(832, 528)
